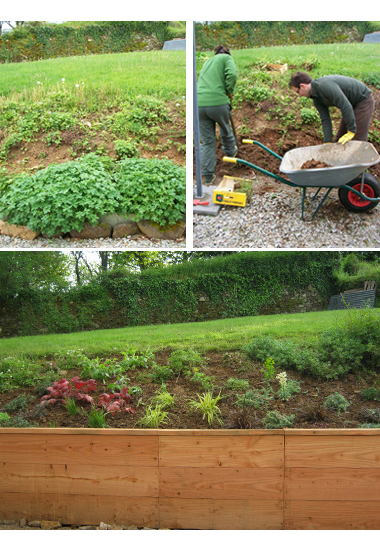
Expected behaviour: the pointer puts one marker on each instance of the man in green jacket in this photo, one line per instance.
(351, 97)
(216, 83)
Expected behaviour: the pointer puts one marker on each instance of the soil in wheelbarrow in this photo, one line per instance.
(231, 374)
(310, 164)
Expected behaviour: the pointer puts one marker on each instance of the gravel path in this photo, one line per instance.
(127, 242)
(273, 220)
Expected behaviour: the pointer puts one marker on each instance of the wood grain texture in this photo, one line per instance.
(329, 515)
(81, 509)
(332, 484)
(239, 451)
(222, 483)
(220, 514)
(332, 451)
(79, 449)
(78, 479)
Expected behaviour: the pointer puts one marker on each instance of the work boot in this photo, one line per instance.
(209, 179)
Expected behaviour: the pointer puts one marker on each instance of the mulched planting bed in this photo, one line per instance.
(307, 406)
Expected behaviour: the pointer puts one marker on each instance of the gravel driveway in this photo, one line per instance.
(273, 220)
(127, 242)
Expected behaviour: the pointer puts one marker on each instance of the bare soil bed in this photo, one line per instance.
(307, 406)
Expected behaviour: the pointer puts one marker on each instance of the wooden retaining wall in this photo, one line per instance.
(200, 479)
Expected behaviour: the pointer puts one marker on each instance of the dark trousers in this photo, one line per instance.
(363, 115)
(208, 118)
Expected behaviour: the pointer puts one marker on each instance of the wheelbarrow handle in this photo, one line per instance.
(230, 159)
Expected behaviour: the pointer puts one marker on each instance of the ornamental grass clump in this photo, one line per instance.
(207, 405)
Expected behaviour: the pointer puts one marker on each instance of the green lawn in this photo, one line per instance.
(225, 335)
(153, 72)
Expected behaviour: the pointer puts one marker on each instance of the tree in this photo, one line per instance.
(27, 270)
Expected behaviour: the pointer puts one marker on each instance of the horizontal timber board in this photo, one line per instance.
(338, 451)
(222, 483)
(120, 481)
(79, 449)
(332, 484)
(80, 509)
(220, 514)
(328, 515)
(238, 451)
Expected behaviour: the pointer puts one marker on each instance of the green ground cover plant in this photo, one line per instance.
(64, 197)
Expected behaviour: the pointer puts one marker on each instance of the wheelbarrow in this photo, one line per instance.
(358, 191)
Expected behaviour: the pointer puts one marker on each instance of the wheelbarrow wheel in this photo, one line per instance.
(352, 202)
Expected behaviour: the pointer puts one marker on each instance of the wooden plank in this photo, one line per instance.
(330, 515)
(244, 451)
(332, 484)
(220, 514)
(77, 479)
(80, 509)
(344, 451)
(222, 483)
(79, 449)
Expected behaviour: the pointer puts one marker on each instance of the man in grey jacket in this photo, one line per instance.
(351, 97)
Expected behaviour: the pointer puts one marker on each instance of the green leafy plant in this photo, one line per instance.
(101, 370)
(152, 189)
(309, 116)
(207, 405)
(126, 149)
(269, 370)
(61, 197)
(161, 373)
(182, 361)
(336, 402)
(207, 382)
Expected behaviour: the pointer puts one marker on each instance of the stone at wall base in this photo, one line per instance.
(125, 228)
(103, 230)
(153, 230)
(20, 231)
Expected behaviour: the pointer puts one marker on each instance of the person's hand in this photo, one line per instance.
(347, 137)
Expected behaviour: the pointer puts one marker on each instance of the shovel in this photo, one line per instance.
(234, 133)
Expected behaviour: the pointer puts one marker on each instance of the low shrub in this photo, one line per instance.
(336, 402)
(275, 420)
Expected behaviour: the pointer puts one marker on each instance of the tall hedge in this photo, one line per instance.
(49, 41)
(224, 287)
(249, 34)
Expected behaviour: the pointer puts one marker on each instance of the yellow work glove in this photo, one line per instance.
(347, 137)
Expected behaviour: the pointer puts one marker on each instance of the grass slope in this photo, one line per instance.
(134, 73)
(220, 335)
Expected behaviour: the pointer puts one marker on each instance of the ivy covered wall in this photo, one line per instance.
(249, 34)
(48, 41)
(237, 285)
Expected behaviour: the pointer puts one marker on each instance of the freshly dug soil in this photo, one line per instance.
(307, 406)
(314, 164)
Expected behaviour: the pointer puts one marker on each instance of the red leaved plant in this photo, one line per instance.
(106, 400)
(60, 391)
